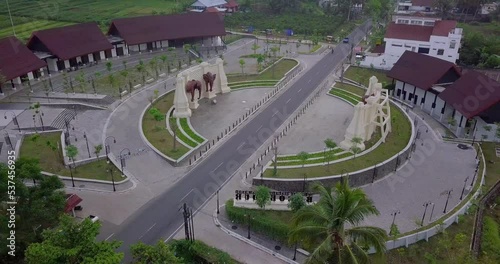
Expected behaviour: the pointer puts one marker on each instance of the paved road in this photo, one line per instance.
(160, 218)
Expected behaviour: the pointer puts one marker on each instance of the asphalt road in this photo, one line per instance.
(160, 218)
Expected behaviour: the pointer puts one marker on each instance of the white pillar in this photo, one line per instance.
(113, 52)
(103, 55)
(66, 64)
(91, 58)
(30, 76)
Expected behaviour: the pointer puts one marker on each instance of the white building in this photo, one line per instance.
(436, 38)
(466, 103)
(413, 6)
(202, 5)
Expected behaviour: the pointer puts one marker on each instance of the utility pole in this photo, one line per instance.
(275, 169)
(192, 223)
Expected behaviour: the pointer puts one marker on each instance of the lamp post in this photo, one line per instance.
(432, 212)
(248, 219)
(87, 141)
(218, 202)
(295, 252)
(394, 216)
(107, 147)
(122, 159)
(473, 178)
(112, 178)
(426, 204)
(7, 140)
(14, 119)
(463, 189)
(261, 170)
(448, 192)
(71, 173)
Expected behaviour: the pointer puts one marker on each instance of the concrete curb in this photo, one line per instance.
(250, 242)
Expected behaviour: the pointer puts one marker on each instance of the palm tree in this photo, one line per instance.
(154, 66)
(163, 59)
(124, 73)
(325, 221)
(255, 47)
(109, 65)
(242, 65)
(330, 144)
(355, 149)
(140, 68)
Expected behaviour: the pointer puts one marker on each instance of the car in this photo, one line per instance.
(345, 40)
(93, 218)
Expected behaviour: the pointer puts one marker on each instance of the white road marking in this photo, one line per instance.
(258, 128)
(299, 90)
(309, 81)
(147, 230)
(288, 100)
(242, 144)
(219, 165)
(109, 237)
(187, 194)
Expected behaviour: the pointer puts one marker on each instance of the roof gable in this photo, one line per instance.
(443, 27)
(409, 32)
(472, 94)
(422, 70)
(16, 59)
(71, 41)
(138, 30)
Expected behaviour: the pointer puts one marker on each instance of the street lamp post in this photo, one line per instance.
(394, 216)
(473, 178)
(248, 236)
(107, 147)
(122, 158)
(112, 178)
(14, 119)
(7, 140)
(87, 141)
(426, 204)
(463, 189)
(295, 252)
(218, 202)
(447, 198)
(432, 212)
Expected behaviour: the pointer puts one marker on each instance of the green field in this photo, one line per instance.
(36, 15)
(362, 75)
(35, 146)
(280, 69)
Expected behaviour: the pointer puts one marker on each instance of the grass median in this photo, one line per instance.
(362, 75)
(280, 69)
(192, 134)
(51, 160)
(156, 132)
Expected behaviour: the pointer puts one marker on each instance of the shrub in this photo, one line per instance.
(490, 241)
(259, 223)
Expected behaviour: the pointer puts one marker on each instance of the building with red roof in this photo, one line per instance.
(18, 63)
(440, 89)
(70, 46)
(157, 32)
(232, 6)
(413, 6)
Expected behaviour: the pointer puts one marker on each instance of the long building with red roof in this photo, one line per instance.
(466, 102)
(18, 63)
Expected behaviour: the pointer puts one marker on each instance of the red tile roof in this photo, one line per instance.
(138, 30)
(70, 41)
(422, 3)
(231, 4)
(420, 70)
(443, 27)
(472, 94)
(72, 200)
(16, 59)
(409, 32)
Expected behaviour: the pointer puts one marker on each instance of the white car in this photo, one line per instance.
(93, 218)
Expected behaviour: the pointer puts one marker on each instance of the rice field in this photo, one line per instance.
(31, 15)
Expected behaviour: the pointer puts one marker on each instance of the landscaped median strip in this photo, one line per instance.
(246, 84)
(184, 125)
(349, 97)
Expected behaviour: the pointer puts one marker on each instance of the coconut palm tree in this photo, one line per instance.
(326, 221)
(330, 144)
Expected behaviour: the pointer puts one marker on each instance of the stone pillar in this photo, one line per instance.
(181, 101)
(222, 76)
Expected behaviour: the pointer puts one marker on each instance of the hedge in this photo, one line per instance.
(260, 223)
(199, 252)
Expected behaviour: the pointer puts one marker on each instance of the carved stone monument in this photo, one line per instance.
(212, 79)
(374, 111)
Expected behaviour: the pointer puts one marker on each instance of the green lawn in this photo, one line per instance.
(24, 26)
(157, 134)
(265, 84)
(35, 146)
(199, 252)
(280, 69)
(311, 155)
(362, 75)
(350, 88)
(344, 95)
(185, 126)
(182, 137)
(395, 142)
(230, 38)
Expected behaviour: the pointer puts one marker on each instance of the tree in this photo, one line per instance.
(124, 73)
(274, 50)
(159, 253)
(303, 157)
(175, 128)
(109, 66)
(262, 196)
(80, 78)
(242, 65)
(73, 242)
(141, 69)
(156, 114)
(444, 7)
(330, 144)
(164, 60)
(260, 60)
(374, 8)
(72, 152)
(124, 62)
(355, 149)
(38, 206)
(97, 150)
(326, 221)
(297, 202)
(153, 63)
(255, 47)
